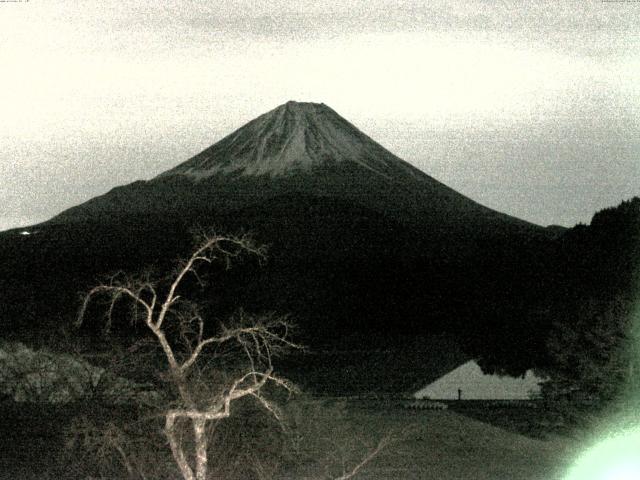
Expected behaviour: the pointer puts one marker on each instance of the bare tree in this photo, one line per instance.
(179, 329)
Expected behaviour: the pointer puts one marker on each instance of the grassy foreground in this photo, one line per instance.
(444, 444)
(333, 436)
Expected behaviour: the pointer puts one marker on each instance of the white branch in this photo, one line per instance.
(115, 291)
(260, 338)
(370, 456)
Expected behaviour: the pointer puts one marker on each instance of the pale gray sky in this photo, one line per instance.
(533, 110)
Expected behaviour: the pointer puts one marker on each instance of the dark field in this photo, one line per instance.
(332, 436)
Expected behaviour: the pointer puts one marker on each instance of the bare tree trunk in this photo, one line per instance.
(176, 449)
(201, 448)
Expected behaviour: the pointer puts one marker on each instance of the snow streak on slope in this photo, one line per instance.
(295, 137)
(297, 149)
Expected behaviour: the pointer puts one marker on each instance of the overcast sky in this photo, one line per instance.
(533, 110)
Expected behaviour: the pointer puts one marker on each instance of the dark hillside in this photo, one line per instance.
(363, 248)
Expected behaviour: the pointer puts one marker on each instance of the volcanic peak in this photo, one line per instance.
(294, 137)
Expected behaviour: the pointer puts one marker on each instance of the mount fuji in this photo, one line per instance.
(295, 137)
(296, 149)
(364, 249)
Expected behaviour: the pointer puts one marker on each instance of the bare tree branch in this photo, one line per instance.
(382, 444)
(259, 337)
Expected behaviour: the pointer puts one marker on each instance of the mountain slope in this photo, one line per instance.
(295, 137)
(364, 249)
(297, 148)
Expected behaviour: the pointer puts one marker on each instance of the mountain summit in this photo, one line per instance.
(292, 138)
(297, 152)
